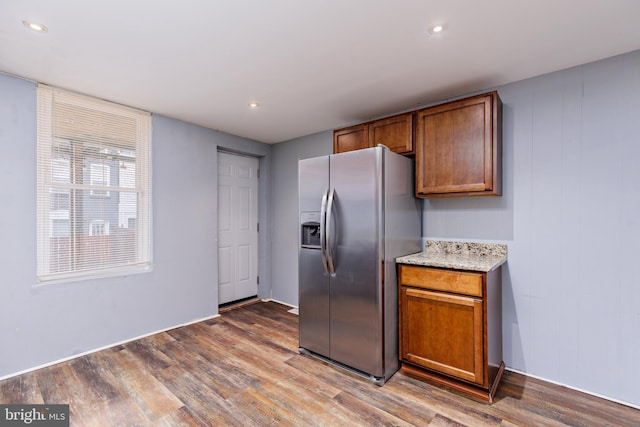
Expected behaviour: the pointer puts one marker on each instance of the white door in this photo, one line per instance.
(237, 227)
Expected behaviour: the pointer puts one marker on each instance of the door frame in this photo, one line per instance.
(260, 209)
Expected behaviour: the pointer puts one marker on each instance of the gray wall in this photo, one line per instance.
(42, 324)
(570, 214)
(285, 210)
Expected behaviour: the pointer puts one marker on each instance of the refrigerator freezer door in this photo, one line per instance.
(313, 293)
(314, 303)
(356, 294)
(313, 180)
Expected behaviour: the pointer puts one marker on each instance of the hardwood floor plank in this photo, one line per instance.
(160, 339)
(394, 404)
(122, 412)
(398, 404)
(91, 375)
(370, 414)
(259, 367)
(222, 340)
(21, 389)
(243, 368)
(448, 405)
(440, 421)
(59, 385)
(207, 405)
(253, 405)
(114, 404)
(146, 349)
(135, 377)
(283, 323)
(182, 417)
(258, 340)
(308, 404)
(305, 409)
(219, 376)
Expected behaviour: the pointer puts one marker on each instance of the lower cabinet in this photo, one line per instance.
(450, 328)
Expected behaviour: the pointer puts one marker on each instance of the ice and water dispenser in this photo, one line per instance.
(310, 233)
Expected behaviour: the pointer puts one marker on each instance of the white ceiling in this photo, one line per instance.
(311, 65)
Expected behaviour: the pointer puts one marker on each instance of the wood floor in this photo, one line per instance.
(243, 369)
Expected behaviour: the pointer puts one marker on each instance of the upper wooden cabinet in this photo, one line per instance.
(457, 145)
(459, 148)
(394, 132)
(351, 138)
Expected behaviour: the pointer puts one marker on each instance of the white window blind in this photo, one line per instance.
(94, 199)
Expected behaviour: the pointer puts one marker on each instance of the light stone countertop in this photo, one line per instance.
(459, 256)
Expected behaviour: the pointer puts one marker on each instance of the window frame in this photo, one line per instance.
(49, 184)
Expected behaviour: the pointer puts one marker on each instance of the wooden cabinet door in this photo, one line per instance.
(457, 148)
(394, 132)
(351, 138)
(443, 332)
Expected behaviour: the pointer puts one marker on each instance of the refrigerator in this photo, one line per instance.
(357, 214)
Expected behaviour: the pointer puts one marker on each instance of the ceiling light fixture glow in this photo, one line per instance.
(253, 105)
(34, 26)
(437, 29)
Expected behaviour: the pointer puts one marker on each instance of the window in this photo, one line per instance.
(94, 200)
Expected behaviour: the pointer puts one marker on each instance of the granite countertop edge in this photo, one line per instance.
(471, 256)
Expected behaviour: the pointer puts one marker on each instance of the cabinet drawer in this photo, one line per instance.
(442, 280)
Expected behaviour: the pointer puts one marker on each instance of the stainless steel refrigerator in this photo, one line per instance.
(357, 214)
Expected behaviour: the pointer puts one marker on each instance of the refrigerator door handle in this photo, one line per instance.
(330, 238)
(323, 231)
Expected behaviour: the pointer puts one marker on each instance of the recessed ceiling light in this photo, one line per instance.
(437, 29)
(34, 26)
(253, 105)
